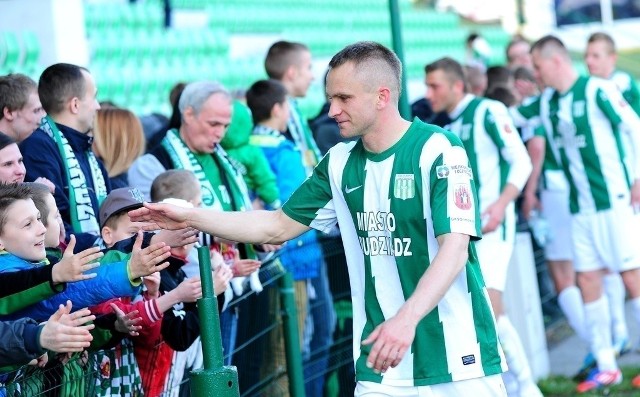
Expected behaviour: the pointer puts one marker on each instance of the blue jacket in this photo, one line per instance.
(302, 255)
(112, 281)
(42, 159)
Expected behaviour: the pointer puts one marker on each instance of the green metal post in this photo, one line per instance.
(396, 36)
(214, 379)
(291, 339)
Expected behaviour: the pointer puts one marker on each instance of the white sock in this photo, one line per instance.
(598, 321)
(570, 302)
(514, 352)
(614, 288)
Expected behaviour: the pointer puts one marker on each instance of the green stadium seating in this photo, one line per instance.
(10, 50)
(155, 59)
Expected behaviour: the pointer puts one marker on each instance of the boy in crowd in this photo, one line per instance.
(23, 236)
(116, 226)
(181, 326)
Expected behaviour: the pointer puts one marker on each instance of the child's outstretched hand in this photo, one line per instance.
(126, 323)
(189, 290)
(221, 277)
(152, 283)
(176, 238)
(149, 260)
(72, 267)
(66, 331)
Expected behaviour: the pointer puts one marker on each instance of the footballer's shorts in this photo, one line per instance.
(606, 239)
(488, 386)
(495, 250)
(555, 210)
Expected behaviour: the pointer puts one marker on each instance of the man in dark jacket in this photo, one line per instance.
(60, 150)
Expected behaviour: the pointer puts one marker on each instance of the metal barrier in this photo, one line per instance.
(267, 353)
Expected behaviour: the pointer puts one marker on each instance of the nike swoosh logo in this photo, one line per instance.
(347, 190)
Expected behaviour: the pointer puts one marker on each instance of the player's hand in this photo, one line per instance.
(390, 341)
(492, 217)
(149, 260)
(161, 216)
(635, 195)
(530, 202)
(72, 267)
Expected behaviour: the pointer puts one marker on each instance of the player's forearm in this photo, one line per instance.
(536, 150)
(256, 227)
(449, 261)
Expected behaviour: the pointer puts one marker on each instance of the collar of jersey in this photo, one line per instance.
(393, 149)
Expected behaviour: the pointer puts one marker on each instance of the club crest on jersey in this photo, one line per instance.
(404, 187)
(442, 171)
(462, 196)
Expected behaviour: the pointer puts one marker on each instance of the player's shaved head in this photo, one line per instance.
(549, 46)
(374, 64)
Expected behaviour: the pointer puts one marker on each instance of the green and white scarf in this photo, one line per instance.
(303, 138)
(183, 158)
(83, 216)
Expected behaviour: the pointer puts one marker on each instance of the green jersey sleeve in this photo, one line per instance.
(312, 203)
(454, 198)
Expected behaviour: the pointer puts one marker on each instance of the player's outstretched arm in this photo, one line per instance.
(257, 227)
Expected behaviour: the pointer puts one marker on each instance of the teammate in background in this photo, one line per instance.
(422, 321)
(500, 167)
(585, 116)
(601, 57)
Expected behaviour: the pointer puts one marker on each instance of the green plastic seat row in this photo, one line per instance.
(19, 52)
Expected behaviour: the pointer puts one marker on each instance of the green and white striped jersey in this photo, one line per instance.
(495, 149)
(391, 206)
(627, 85)
(587, 124)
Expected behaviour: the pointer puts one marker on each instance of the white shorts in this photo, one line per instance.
(555, 210)
(489, 386)
(606, 240)
(494, 253)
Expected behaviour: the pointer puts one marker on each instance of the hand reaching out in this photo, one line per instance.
(72, 267)
(152, 283)
(161, 216)
(149, 260)
(126, 323)
(176, 238)
(222, 275)
(244, 267)
(189, 290)
(65, 332)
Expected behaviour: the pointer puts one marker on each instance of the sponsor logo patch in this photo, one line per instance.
(468, 360)
(442, 171)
